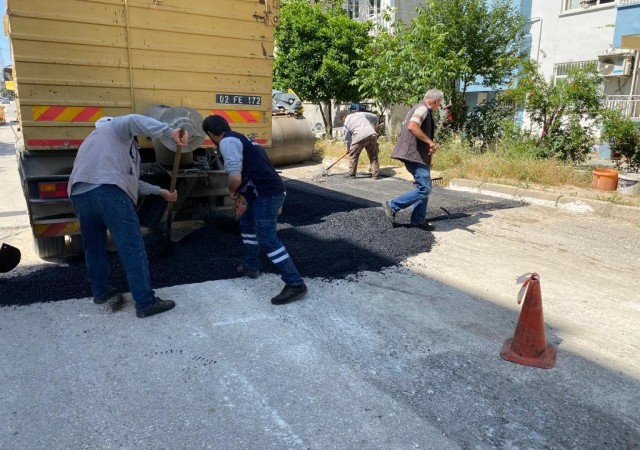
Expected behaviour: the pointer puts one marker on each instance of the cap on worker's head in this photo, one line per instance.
(102, 121)
(215, 125)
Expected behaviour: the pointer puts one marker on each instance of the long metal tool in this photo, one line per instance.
(325, 172)
(172, 188)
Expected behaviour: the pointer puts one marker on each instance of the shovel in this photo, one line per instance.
(9, 258)
(325, 172)
(172, 188)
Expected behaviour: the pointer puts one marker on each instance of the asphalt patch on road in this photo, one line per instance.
(329, 235)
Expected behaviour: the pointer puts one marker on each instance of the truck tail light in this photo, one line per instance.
(53, 190)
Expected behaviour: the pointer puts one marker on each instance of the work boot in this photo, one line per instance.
(427, 226)
(111, 294)
(389, 213)
(158, 307)
(289, 294)
(348, 175)
(242, 271)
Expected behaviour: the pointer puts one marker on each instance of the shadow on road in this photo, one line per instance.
(329, 234)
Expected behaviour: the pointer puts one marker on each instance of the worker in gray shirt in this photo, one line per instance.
(104, 188)
(360, 134)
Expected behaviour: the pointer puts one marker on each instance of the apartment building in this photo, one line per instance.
(572, 33)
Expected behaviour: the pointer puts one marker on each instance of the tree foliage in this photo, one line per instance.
(390, 69)
(560, 109)
(552, 103)
(486, 124)
(623, 136)
(450, 44)
(317, 52)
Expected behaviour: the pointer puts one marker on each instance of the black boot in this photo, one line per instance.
(389, 213)
(427, 226)
(158, 307)
(289, 294)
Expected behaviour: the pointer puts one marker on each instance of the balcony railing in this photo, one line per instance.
(628, 2)
(629, 105)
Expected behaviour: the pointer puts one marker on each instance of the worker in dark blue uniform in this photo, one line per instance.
(252, 176)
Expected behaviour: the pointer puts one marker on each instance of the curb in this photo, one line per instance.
(554, 200)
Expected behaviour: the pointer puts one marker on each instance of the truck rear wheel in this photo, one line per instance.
(49, 247)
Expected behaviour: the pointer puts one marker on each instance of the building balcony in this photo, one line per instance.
(629, 105)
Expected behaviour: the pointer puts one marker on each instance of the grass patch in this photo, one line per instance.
(504, 165)
(513, 162)
(333, 149)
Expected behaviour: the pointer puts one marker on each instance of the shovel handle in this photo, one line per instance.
(176, 163)
(174, 178)
(336, 161)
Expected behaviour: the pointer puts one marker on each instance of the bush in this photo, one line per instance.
(486, 123)
(570, 143)
(623, 136)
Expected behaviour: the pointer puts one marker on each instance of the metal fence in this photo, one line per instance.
(629, 105)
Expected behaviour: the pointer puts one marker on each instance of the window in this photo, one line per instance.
(374, 7)
(353, 8)
(562, 70)
(577, 5)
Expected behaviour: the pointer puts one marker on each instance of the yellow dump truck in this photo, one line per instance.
(75, 61)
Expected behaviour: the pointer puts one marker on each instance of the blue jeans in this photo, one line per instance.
(258, 230)
(104, 208)
(419, 197)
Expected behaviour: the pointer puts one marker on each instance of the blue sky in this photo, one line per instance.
(4, 41)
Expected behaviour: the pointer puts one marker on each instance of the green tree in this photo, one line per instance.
(316, 53)
(551, 103)
(486, 124)
(449, 45)
(559, 107)
(391, 71)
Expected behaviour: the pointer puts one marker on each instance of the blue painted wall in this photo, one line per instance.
(627, 22)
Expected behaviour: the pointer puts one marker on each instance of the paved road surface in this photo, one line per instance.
(404, 357)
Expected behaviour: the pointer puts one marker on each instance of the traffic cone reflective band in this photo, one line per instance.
(529, 345)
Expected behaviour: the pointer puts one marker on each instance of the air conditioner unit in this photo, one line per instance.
(615, 66)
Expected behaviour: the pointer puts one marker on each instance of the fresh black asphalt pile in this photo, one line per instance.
(329, 235)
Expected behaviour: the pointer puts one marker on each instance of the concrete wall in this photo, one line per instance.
(580, 35)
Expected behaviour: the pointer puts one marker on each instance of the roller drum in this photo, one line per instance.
(292, 140)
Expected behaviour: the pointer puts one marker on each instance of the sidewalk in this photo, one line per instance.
(570, 203)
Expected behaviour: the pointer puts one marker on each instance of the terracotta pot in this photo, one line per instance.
(605, 179)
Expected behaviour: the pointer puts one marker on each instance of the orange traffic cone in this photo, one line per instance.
(529, 345)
